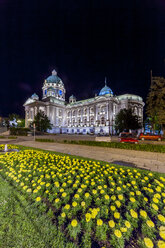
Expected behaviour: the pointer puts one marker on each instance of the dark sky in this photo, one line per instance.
(84, 40)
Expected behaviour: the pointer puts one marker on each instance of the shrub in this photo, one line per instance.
(19, 131)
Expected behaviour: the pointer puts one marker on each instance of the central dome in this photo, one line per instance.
(106, 90)
(54, 78)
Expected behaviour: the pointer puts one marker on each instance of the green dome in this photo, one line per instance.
(54, 79)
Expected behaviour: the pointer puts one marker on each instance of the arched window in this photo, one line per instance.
(68, 113)
(85, 111)
(73, 113)
(79, 121)
(85, 121)
(92, 121)
(91, 110)
(135, 110)
(102, 121)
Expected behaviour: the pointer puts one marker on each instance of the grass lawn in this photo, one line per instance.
(49, 199)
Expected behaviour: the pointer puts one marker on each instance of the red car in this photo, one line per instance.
(150, 136)
(128, 138)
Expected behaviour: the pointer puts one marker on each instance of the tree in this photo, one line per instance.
(156, 102)
(42, 122)
(126, 120)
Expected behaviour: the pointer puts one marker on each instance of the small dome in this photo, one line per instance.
(54, 78)
(105, 90)
(72, 97)
(35, 96)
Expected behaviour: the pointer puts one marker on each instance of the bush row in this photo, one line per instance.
(137, 147)
(19, 131)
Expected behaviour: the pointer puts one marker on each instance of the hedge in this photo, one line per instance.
(19, 131)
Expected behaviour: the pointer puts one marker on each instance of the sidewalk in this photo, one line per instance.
(148, 160)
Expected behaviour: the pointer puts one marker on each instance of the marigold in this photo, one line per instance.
(148, 242)
(63, 194)
(120, 197)
(57, 200)
(63, 215)
(161, 218)
(67, 206)
(150, 223)
(162, 234)
(154, 206)
(113, 208)
(118, 233)
(106, 197)
(123, 229)
(161, 244)
(87, 195)
(127, 224)
(74, 204)
(132, 199)
(111, 223)
(99, 222)
(88, 217)
(74, 223)
(38, 199)
(117, 215)
(83, 204)
(155, 200)
(143, 214)
(133, 214)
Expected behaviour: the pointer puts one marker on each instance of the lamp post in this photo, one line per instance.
(34, 127)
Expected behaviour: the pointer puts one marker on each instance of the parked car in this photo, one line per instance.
(150, 136)
(128, 138)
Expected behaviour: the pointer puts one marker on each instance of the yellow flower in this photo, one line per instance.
(74, 223)
(118, 233)
(117, 215)
(120, 197)
(67, 206)
(63, 215)
(155, 206)
(74, 204)
(138, 192)
(48, 184)
(148, 242)
(162, 234)
(106, 197)
(57, 200)
(146, 199)
(111, 223)
(118, 188)
(113, 208)
(88, 217)
(113, 197)
(161, 218)
(38, 199)
(162, 228)
(87, 195)
(133, 214)
(94, 213)
(83, 204)
(150, 223)
(127, 224)
(161, 244)
(63, 194)
(155, 200)
(143, 213)
(118, 203)
(29, 190)
(132, 199)
(99, 222)
(123, 229)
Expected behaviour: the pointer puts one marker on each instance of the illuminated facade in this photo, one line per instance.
(94, 115)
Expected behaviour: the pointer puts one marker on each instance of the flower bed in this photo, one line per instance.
(92, 202)
(2, 147)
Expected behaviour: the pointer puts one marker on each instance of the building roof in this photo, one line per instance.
(105, 90)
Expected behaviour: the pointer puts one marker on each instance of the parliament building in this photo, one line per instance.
(93, 115)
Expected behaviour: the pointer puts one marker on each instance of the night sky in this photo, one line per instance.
(84, 40)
